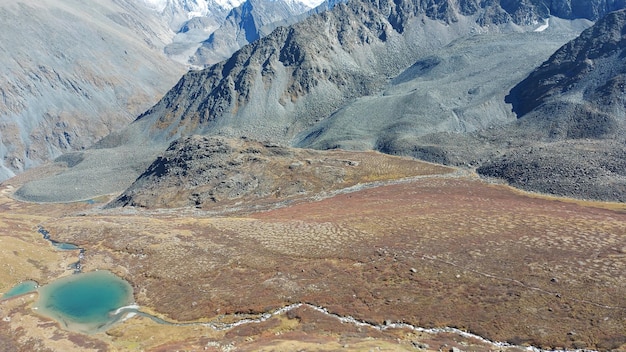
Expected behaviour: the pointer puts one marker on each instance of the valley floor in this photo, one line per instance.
(446, 250)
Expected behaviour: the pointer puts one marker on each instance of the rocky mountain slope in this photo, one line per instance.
(569, 133)
(410, 78)
(574, 103)
(213, 172)
(73, 72)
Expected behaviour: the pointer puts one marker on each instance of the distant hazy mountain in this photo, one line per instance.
(74, 71)
(250, 21)
(422, 78)
(208, 31)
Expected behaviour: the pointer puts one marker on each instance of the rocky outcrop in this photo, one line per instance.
(215, 172)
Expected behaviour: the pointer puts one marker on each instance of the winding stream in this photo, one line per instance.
(134, 310)
(130, 310)
(76, 266)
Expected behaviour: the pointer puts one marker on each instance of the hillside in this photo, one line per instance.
(215, 173)
(73, 72)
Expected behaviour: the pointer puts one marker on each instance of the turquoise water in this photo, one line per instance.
(64, 246)
(85, 302)
(20, 289)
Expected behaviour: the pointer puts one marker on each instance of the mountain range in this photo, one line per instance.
(458, 82)
(76, 71)
(208, 31)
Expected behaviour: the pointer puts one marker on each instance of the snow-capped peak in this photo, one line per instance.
(229, 4)
(308, 3)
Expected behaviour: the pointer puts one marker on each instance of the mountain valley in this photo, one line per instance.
(437, 175)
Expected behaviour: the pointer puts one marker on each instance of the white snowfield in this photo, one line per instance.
(544, 26)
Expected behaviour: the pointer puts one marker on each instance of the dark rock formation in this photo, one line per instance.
(205, 171)
(591, 68)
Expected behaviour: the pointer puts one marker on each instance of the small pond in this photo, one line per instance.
(20, 289)
(86, 302)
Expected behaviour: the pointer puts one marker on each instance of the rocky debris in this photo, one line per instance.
(205, 171)
(579, 169)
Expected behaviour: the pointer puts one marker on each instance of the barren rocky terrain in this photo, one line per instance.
(445, 250)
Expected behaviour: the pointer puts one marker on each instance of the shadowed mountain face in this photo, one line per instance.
(396, 76)
(586, 76)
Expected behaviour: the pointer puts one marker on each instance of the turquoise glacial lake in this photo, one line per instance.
(85, 302)
(20, 289)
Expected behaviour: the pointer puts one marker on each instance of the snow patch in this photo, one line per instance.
(158, 5)
(544, 26)
(308, 3)
(229, 4)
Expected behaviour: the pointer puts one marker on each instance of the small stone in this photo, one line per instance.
(420, 345)
(413, 270)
